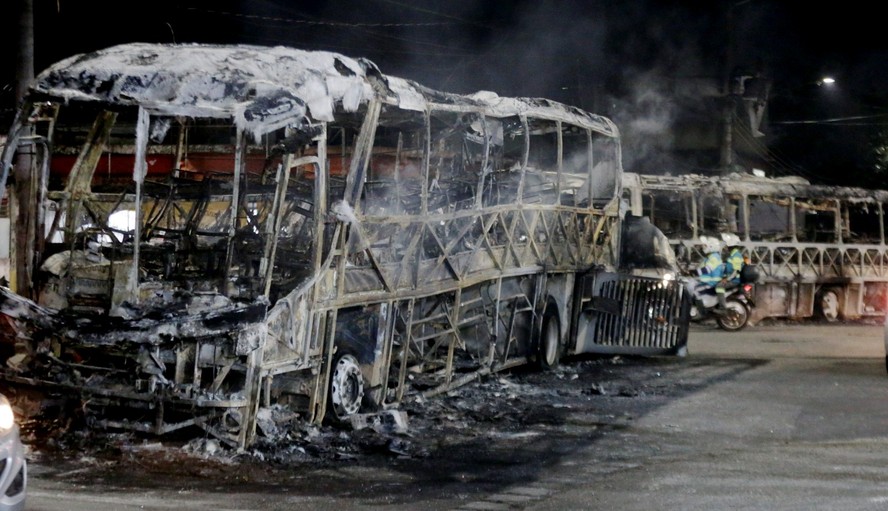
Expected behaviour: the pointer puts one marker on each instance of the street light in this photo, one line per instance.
(827, 81)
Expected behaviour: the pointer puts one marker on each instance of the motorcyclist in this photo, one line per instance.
(735, 260)
(711, 274)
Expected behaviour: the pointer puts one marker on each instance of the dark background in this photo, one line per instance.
(659, 69)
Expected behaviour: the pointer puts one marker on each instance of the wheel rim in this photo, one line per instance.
(550, 341)
(347, 387)
(735, 316)
(829, 305)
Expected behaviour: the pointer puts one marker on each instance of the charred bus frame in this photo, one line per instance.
(222, 229)
(821, 250)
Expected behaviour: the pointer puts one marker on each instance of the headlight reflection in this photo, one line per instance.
(7, 418)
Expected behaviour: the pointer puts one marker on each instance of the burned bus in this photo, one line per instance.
(206, 231)
(820, 250)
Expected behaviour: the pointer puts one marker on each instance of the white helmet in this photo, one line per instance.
(731, 240)
(710, 244)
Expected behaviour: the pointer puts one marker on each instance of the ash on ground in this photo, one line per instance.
(518, 419)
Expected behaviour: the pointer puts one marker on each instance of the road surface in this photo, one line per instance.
(780, 416)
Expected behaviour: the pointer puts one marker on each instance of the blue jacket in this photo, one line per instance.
(712, 270)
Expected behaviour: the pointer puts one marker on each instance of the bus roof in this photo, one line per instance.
(748, 184)
(264, 88)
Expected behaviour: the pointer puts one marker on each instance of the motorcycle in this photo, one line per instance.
(739, 303)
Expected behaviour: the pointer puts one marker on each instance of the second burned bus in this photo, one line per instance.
(821, 250)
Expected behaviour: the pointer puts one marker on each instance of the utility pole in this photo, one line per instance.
(727, 145)
(24, 69)
(22, 203)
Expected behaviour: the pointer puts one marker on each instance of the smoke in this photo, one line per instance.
(663, 116)
(540, 49)
(650, 68)
(668, 81)
(625, 60)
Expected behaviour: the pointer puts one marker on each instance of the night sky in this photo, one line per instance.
(655, 67)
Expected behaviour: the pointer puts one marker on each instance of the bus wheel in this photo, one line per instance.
(830, 304)
(549, 345)
(346, 387)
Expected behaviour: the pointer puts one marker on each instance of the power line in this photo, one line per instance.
(780, 163)
(435, 13)
(834, 120)
(363, 27)
(316, 23)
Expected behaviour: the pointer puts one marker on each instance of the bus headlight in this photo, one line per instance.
(7, 418)
(664, 281)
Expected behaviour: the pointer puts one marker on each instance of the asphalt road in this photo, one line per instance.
(805, 429)
(780, 416)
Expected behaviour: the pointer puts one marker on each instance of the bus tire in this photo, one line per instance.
(346, 387)
(829, 304)
(549, 344)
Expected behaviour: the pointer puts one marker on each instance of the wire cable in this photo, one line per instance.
(781, 164)
(279, 19)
